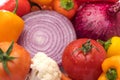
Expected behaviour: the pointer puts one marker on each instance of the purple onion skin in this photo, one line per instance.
(98, 21)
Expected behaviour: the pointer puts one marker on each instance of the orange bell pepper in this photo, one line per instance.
(44, 4)
(11, 26)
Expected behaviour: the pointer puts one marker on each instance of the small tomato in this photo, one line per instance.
(82, 59)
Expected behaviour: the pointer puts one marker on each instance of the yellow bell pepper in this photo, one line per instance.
(11, 26)
(111, 69)
(112, 46)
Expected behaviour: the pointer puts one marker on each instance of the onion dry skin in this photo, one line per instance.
(98, 21)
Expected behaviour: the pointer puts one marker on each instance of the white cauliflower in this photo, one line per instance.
(44, 68)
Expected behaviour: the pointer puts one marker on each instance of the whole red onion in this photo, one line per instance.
(83, 1)
(98, 20)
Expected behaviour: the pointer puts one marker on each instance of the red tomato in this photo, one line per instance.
(18, 67)
(82, 59)
(23, 6)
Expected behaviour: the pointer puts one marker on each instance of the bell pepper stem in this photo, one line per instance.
(111, 74)
(67, 4)
(105, 44)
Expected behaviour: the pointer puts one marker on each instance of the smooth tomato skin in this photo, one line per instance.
(83, 67)
(19, 67)
(68, 13)
(11, 6)
(23, 7)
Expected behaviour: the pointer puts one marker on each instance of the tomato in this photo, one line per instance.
(66, 7)
(82, 59)
(23, 6)
(17, 67)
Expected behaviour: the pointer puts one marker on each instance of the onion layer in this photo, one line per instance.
(46, 31)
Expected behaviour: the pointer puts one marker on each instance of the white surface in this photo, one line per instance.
(2, 2)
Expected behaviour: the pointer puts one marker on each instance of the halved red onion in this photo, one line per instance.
(46, 31)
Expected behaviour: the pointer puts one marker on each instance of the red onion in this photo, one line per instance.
(98, 20)
(83, 1)
(47, 31)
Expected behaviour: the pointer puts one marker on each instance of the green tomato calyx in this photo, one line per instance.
(5, 57)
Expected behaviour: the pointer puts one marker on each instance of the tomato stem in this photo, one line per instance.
(111, 74)
(86, 47)
(16, 7)
(5, 57)
(67, 4)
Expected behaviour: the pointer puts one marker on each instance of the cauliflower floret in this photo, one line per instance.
(44, 68)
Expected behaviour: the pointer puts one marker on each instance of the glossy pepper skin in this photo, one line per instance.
(44, 4)
(113, 46)
(67, 8)
(11, 26)
(23, 6)
(111, 69)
